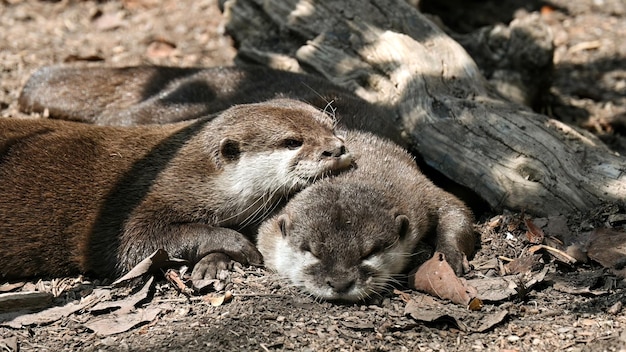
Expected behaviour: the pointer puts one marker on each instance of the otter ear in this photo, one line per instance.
(285, 224)
(229, 149)
(402, 222)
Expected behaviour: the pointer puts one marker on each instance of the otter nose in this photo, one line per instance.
(340, 285)
(339, 150)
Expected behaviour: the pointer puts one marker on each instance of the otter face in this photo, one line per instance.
(274, 149)
(338, 242)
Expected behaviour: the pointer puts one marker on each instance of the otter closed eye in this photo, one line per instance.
(292, 143)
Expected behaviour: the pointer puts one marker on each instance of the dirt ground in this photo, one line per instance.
(573, 308)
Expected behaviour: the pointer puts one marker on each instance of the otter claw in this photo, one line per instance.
(209, 267)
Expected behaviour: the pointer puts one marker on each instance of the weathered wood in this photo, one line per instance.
(388, 53)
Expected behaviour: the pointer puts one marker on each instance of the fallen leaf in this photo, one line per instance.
(403, 295)
(582, 282)
(524, 264)
(494, 289)
(217, 300)
(475, 304)
(437, 278)
(8, 287)
(491, 320)
(534, 234)
(156, 261)
(426, 309)
(9, 344)
(608, 247)
(115, 323)
(485, 264)
(124, 305)
(14, 301)
(173, 277)
(55, 313)
(556, 253)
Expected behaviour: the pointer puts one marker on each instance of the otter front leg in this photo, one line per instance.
(208, 248)
(455, 236)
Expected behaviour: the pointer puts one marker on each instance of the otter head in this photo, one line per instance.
(284, 140)
(273, 149)
(338, 241)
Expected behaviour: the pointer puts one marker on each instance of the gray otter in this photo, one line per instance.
(348, 237)
(78, 198)
(159, 94)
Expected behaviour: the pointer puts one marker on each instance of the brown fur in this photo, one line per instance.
(349, 236)
(78, 198)
(158, 94)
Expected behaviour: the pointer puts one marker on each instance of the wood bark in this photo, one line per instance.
(389, 54)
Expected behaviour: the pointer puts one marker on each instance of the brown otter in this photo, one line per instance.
(348, 237)
(96, 199)
(159, 94)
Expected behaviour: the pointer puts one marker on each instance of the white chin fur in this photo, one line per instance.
(258, 173)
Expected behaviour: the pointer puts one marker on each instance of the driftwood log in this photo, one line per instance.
(389, 54)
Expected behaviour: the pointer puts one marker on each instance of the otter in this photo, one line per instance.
(161, 94)
(350, 236)
(79, 198)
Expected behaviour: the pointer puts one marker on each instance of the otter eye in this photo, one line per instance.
(372, 252)
(291, 143)
(306, 247)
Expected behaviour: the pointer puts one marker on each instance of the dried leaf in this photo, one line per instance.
(494, 289)
(156, 261)
(556, 253)
(9, 344)
(534, 234)
(8, 287)
(524, 264)
(608, 247)
(491, 320)
(426, 309)
(403, 295)
(475, 304)
(14, 301)
(218, 299)
(55, 313)
(174, 278)
(437, 278)
(124, 305)
(116, 323)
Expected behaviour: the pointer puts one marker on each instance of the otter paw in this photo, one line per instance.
(457, 260)
(211, 266)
